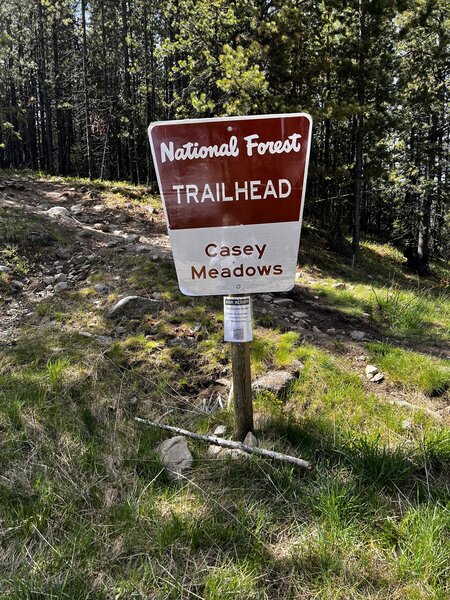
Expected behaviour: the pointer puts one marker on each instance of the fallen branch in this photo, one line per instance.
(212, 439)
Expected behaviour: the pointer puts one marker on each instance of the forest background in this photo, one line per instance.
(80, 80)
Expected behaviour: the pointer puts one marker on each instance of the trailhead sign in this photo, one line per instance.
(233, 192)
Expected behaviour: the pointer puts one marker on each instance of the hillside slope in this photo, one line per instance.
(87, 510)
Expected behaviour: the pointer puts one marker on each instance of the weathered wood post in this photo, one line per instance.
(242, 386)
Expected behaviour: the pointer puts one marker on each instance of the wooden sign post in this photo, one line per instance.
(233, 193)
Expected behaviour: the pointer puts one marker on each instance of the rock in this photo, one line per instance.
(104, 340)
(175, 456)
(361, 357)
(59, 287)
(284, 302)
(76, 209)
(299, 315)
(85, 233)
(59, 212)
(48, 280)
(331, 331)
(316, 329)
(365, 315)
(371, 371)
(358, 335)
(101, 288)
(276, 382)
(134, 307)
(5, 269)
(214, 450)
(141, 248)
(220, 430)
(17, 284)
(378, 378)
(131, 238)
(266, 298)
(251, 440)
(63, 253)
(340, 286)
(60, 277)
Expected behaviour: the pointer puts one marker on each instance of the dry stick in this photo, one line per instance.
(211, 439)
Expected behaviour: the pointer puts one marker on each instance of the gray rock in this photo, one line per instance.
(214, 450)
(101, 288)
(358, 335)
(76, 209)
(59, 287)
(283, 302)
(17, 284)
(276, 382)
(316, 329)
(48, 280)
(63, 253)
(85, 233)
(251, 440)
(331, 331)
(371, 371)
(175, 456)
(299, 315)
(5, 269)
(220, 430)
(131, 238)
(141, 248)
(134, 307)
(266, 298)
(59, 212)
(361, 357)
(378, 378)
(60, 277)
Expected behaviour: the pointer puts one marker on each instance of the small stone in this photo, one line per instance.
(340, 286)
(63, 285)
(266, 298)
(276, 382)
(104, 340)
(175, 456)
(316, 329)
(134, 307)
(378, 378)
(60, 277)
(5, 269)
(101, 288)
(59, 212)
(251, 440)
(284, 302)
(85, 233)
(142, 248)
(214, 450)
(131, 238)
(361, 357)
(371, 371)
(17, 284)
(358, 335)
(85, 334)
(299, 315)
(365, 315)
(48, 280)
(220, 430)
(63, 253)
(331, 331)
(76, 209)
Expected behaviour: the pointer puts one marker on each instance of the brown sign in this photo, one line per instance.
(223, 174)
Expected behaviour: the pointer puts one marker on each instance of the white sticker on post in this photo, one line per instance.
(237, 319)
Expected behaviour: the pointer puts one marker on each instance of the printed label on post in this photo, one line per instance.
(237, 319)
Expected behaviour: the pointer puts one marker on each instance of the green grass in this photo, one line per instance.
(87, 511)
(413, 370)
(398, 303)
